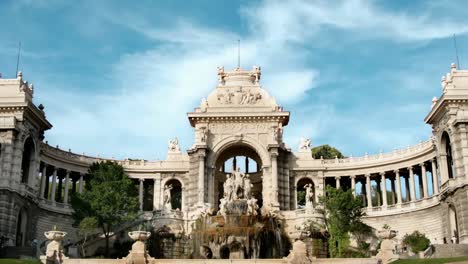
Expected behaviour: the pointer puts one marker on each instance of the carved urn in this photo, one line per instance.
(386, 234)
(55, 235)
(139, 235)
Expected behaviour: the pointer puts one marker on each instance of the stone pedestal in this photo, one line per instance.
(387, 246)
(298, 254)
(54, 251)
(138, 254)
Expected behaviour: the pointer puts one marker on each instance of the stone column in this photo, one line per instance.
(398, 186)
(274, 179)
(353, 184)
(140, 193)
(157, 192)
(368, 191)
(80, 187)
(411, 184)
(43, 181)
(383, 183)
(54, 185)
(424, 179)
(246, 164)
(337, 180)
(201, 179)
(67, 186)
(435, 182)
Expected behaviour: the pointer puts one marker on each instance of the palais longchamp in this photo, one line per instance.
(239, 164)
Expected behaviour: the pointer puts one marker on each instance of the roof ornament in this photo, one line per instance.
(434, 101)
(221, 75)
(257, 72)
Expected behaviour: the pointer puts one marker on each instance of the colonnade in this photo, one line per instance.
(407, 175)
(69, 181)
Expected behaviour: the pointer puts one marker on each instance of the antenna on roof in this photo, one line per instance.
(456, 50)
(238, 53)
(18, 59)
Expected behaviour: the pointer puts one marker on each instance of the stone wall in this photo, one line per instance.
(427, 221)
(46, 220)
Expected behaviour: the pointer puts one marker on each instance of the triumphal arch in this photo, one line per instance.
(240, 165)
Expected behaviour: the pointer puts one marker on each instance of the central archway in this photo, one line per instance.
(240, 157)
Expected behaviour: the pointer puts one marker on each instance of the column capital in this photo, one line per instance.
(337, 177)
(352, 176)
(68, 172)
(367, 175)
(397, 171)
(410, 168)
(382, 173)
(422, 164)
(141, 179)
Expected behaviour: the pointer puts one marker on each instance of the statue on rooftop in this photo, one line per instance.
(174, 145)
(304, 145)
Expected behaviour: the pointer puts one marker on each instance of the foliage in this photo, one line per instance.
(327, 152)
(87, 226)
(342, 218)
(301, 197)
(416, 241)
(111, 198)
(19, 261)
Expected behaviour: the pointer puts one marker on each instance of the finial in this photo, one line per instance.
(453, 66)
(41, 107)
(31, 86)
(19, 75)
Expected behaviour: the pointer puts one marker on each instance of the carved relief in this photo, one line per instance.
(241, 96)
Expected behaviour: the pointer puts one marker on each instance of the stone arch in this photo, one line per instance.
(21, 227)
(230, 141)
(176, 194)
(453, 224)
(28, 159)
(301, 192)
(446, 153)
(224, 150)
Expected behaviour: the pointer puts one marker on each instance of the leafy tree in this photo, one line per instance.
(326, 151)
(342, 218)
(87, 226)
(417, 241)
(111, 198)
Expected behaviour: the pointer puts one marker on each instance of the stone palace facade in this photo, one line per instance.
(238, 128)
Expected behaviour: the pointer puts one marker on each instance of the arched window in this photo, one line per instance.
(305, 193)
(173, 195)
(447, 147)
(27, 162)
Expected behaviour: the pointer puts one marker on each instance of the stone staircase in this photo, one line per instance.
(17, 252)
(449, 250)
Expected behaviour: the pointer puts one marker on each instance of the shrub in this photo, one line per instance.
(416, 241)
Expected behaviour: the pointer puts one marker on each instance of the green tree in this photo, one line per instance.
(87, 227)
(326, 151)
(417, 241)
(111, 199)
(342, 218)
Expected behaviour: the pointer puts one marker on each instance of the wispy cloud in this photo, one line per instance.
(150, 90)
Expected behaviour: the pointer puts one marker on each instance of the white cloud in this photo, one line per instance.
(153, 89)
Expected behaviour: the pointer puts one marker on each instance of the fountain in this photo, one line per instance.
(238, 231)
(54, 251)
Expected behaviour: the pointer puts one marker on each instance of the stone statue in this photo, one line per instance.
(229, 188)
(221, 74)
(203, 105)
(304, 146)
(309, 197)
(252, 206)
(257, 73)
(167, 197)
(277, 133)
(174, 145)
(247, 187)
(203, 134)
(238, 184)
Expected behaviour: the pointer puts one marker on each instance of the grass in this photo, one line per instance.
(430, 261)
(19, 261)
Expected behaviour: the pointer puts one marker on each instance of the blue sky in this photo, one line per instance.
(117, 78)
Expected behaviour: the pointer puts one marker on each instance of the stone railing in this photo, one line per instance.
(56, 151)
(397, 153)
(402, 208)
